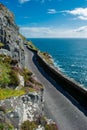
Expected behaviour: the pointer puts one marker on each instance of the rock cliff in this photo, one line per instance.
(21, 95)
(10, 37)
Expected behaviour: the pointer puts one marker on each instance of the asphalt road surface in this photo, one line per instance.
(59, 105)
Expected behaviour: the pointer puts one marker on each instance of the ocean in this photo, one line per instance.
(69, 55)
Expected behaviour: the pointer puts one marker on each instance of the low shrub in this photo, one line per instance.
(5, 126)
(47, 57)
(5, 59)
(41, 121)
(1, 126)
(14, 80)
(14, 62)
(8, 76)
(4, 75)
(26, 74)
(27, 125)
(51, 127)
(31, 45)
(8, 60)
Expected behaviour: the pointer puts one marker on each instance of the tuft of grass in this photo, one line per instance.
(51, 127)
(8, 93)
(30, 125)
(6, 126)
(1, 126)
(8, 60)
(1, 45)
(8, 77)
(4, 74)
(22, 37)
(26, 73)
(47, 57)
(27, 125)
(31, 45)
(14, 80)
(29, 89)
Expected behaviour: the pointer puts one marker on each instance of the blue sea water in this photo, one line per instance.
(70, 56)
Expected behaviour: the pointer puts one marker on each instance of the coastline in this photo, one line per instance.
(71, 86)
(62, 108)
(68, 54)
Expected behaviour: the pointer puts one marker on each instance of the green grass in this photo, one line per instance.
(8, 76)
(31, 45)
(46, 56)
(23, 38)
(5, 126)
(7, 93)
(9, 79)
(27, 125)
(1, 126)
(1, 45)
(4, 74)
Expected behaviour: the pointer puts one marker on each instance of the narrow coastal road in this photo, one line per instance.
(67, 113)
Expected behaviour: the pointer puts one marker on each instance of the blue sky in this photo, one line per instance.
(50, 18)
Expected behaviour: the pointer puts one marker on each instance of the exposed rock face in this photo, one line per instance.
(20, 109)
(9, 35)
(30, 106)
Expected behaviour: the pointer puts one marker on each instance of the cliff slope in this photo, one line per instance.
(21, 95)
(9, 36)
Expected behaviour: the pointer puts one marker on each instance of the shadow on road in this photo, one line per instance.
(59, 88)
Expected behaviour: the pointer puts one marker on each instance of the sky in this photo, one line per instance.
(50, 18)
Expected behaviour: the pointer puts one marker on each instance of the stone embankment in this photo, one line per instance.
(71, 86)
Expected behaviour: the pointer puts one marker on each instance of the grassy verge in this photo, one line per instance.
(9, 79)
(31, 45)
(47, 57)
(4, 74)
(27, 125)
(5, 126)
(7, 93)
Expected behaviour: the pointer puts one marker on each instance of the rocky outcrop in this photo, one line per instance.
(20, 109)
(9, 35)
(16, 110)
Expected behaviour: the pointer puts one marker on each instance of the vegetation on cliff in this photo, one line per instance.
(1, 45)
(6, 126)
(9, 79)
(21, 94)
(40, 122)
(8, 76)
(32, 46)
(46, 57)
